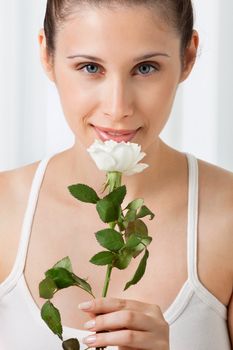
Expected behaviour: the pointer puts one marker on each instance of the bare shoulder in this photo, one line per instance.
(14, 183)
(14, 190)
(214, 172)
(216, 220)
(216, 188)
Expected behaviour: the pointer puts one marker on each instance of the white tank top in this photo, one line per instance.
(197, 320)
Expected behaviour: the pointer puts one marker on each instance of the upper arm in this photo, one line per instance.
(10, 220)
(217, 186)
(5, 209)
(14, 190)
(227, 214)
(230, 305)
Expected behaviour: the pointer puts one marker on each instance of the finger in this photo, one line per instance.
(123, 319)
(106, 305)
(125, 338)
(91, 315)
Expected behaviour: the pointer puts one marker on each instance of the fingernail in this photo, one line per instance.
(89, 340)
(89, 324)
(85, 306)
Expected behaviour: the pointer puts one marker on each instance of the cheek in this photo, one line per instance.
(157, 99)
(76, 99)
(156, 104)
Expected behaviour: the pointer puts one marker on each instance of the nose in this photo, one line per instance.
(118, 100)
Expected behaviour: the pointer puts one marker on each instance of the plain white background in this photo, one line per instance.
(32, 124)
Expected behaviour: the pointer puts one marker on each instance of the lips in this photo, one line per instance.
(106, 134)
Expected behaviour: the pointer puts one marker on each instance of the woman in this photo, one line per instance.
(117, 66)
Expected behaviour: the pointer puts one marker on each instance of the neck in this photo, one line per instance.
(80, 168)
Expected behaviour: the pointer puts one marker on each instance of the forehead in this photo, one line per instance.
(106, 28)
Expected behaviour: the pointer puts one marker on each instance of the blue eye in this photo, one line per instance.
(93, 68)
(146, 68)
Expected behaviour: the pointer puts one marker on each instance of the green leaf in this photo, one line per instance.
(110, 239)
(65, 263)
(144, 211)
(102, 258)
(136, 243)
(107, 210)
(135, 204)
(117, 196)
(145, 241)
(52, 318)
(122, 260)
(47, 288)
(137, 227)
(83, 284)
(62, 277)
(133, 241)
(84, 193)
(139, 272)
(71, 344)
(130, 216)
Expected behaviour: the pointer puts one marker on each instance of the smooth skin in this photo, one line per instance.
(120, 93)
(120, 97)
(133, 324)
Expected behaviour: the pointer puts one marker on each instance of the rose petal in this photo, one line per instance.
(124, 157)
(117, 156)
(104, 161)
(138, 168)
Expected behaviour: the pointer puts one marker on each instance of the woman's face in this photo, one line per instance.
(119, 94)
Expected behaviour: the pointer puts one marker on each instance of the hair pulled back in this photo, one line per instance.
(177, 13)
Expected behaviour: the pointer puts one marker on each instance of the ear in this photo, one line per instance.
(190, 56)
(45, 58)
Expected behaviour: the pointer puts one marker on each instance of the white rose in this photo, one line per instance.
(117, 156)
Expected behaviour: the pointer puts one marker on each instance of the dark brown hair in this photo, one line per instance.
(177, 13)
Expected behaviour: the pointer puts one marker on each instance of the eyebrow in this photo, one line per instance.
(146, 56)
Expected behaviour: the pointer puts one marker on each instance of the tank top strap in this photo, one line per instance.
(192, 241)
(192, 218)
(20, 260)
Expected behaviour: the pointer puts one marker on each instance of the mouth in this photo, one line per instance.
(106, 134)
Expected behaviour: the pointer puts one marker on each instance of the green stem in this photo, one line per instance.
(107, 280)
(105, 290)
(112, 225)
(113, 180)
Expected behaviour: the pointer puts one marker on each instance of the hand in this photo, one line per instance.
(128, 324)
